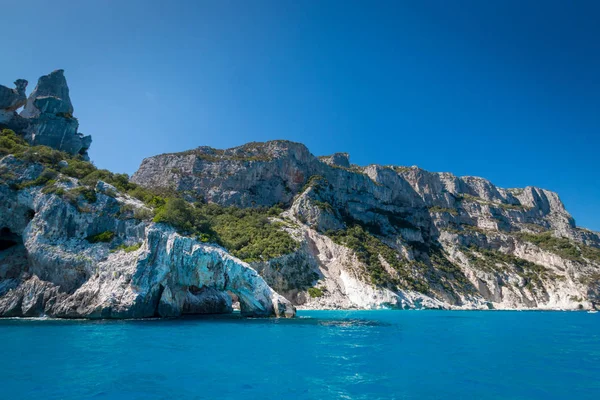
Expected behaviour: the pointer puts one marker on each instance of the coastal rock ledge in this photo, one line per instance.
(92, 259)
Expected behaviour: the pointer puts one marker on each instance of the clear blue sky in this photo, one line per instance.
(506, 90)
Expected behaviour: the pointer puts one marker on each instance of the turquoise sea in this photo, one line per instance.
(319, 355)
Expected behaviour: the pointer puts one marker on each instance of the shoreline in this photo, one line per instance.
(238, 316)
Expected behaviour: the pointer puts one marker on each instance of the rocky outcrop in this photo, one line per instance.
(424, 239)
(13, 99)
(337, 160)
(66, 255)
(255, 174)
(51, 95)
(47, 118)
(367, 237)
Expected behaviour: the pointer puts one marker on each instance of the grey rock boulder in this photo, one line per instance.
(51, 95)
(13, 99)
(47, 118)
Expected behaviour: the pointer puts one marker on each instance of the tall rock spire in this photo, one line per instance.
(47, 118)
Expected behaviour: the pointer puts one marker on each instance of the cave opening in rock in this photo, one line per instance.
(8, 239)
(29, 214)
(235, 300)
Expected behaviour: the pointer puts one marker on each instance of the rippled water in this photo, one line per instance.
(321, 354)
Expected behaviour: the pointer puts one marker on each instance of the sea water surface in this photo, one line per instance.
(319, 355)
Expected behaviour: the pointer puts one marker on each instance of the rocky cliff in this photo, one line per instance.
(74, 246)
(193, 232)
(69, 250)
(47, 117)
(394, 236)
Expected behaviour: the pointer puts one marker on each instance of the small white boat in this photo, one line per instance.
(592, 312)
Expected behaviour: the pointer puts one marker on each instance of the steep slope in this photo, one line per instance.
(386, 235)
(70, 250)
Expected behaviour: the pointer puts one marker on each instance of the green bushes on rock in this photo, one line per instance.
(323, 205)
(46, 178)
(73, 195)
(85, 171)
(496, 261)
(315, 292)
(368, 250)
(182, 215)
(11, 143)
(563, 247)
(103, 237)
(127, 249)
(437, 209)
(249, 233)
(246, 233)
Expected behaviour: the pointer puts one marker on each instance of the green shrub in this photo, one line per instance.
(85, 171)
(246, 233)
(562, 246)
(496, 261)
(47, 177)
(448, 270)
(53, 189)
(88, 194)
(103, 237)
(482, 201)
(591, 253)
(181, 215)
(119, 181)
(315, 292)
(11, 143)
(143, 214)
(436, 209)
(368, 248)
(323, 205)
(314, 180)
(127, 249)
(44, 155)
(78, 168)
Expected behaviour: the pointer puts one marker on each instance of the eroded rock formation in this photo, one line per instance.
(423, 239)
(367, 237)
(13, 99)
(47, 118)
(60, 257)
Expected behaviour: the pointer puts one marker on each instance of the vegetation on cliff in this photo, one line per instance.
(247, 233)
(562, 246)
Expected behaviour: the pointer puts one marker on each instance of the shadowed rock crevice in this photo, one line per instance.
(8, 239)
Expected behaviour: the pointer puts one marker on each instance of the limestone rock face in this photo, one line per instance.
(443, 241)
(337, 160)
(51, 95)
(49, 266)
(255, 174)
(47, 118)
(13, 99)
